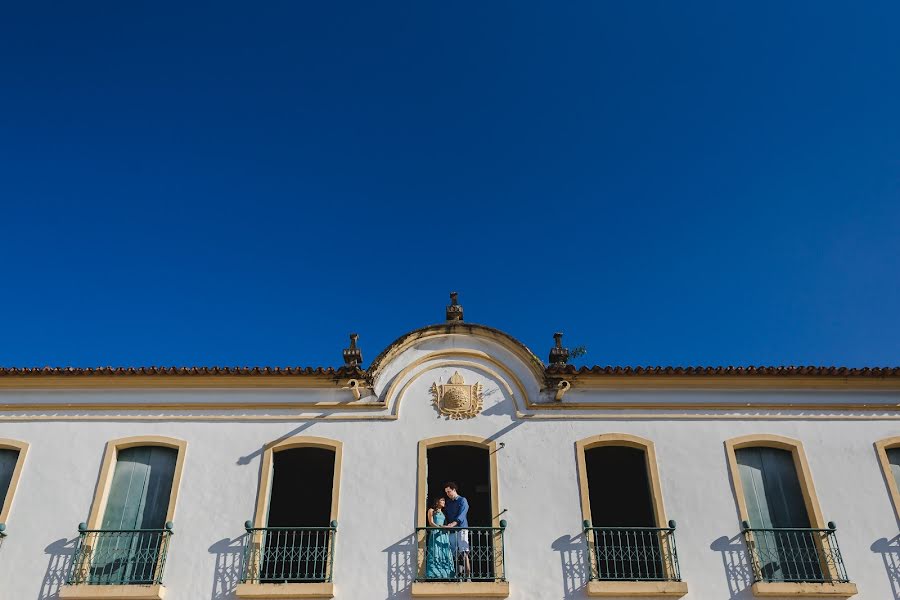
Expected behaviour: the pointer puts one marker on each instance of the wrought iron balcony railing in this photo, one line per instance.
(289, 554)
(2, 530)
(796, 554)
(457, 554)
(632, 553)
(120, 556)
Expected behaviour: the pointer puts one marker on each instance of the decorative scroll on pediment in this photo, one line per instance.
(456, 399)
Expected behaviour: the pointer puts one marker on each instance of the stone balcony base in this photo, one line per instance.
(112, 592)
(469, 589)
(284, 591)
(645, 589)
(803, 589)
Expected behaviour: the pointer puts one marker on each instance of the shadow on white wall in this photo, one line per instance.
(58, 567)
(736, 561)
(401, 567)
(229, 567)
(890, 556)
(573, 561)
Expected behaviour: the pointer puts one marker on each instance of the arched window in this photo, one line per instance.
(12, 459)
(632, 548)
(889, 457)
(126, 538)
(472, 552)
(293, 532)
(788, 540)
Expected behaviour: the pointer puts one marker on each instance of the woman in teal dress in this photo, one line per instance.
(438, 555)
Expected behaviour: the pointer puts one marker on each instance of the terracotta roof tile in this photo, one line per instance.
(768, 371)
(181, 371)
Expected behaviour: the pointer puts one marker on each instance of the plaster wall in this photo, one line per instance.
(375, 553)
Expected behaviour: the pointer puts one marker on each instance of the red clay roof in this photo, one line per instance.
(463, 328)
(777, 371)
(770, 371)
(187, 371)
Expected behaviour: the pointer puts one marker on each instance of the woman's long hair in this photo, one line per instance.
(436, 503)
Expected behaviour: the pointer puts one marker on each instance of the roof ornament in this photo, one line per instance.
(454, 309)
(353, 355)
(559, 356)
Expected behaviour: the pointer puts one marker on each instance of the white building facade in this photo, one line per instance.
(295, 483)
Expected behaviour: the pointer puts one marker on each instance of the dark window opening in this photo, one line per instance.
(619, 487)
(626, 544)
(301, 488)
(298, 542)
(468, 467)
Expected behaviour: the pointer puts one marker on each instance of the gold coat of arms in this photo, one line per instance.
(456, 399)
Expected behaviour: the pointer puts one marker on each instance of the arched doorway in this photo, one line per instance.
(621, 500)
(293, 533)
(476, 550)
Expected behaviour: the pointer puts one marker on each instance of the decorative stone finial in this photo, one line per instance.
(352, 355)
(558, 354)
(455, 309)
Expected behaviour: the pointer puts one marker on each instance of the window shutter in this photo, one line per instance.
(141, 485)
(893, 455)
(8, 459)
(775, 502)
(771, 488)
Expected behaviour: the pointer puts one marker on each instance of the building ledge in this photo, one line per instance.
(285, 591)
(112, 592)
(646, 589)
(804, 589)
(475, 589)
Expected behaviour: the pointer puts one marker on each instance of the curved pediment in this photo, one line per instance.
(459, 363)
(455, 328)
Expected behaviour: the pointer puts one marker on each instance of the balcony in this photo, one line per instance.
(797, 561)
(452, 571)
(633, 561)
(288, 562)
(118, 563)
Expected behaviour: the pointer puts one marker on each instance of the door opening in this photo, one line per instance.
(788, 550)
(302, 479)
(619, 487)
(627, 543)
(473, 550)
(298, 538)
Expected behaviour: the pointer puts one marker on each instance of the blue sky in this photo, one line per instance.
(245, 183)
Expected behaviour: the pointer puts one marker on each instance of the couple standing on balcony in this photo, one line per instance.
(447, 551)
